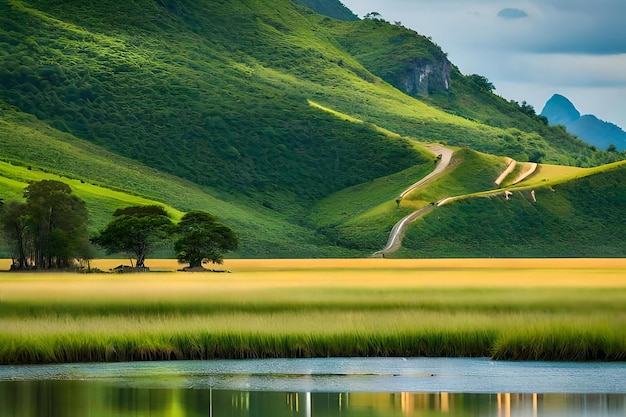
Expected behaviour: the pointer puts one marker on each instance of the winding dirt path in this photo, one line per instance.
(511, 164)
(395, 236)
(397, 232)
(529, 169)
(446, 157)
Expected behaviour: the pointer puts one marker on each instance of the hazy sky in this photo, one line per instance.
(529, 49)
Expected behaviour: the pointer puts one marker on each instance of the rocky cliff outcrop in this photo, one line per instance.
(423, 76)
(411, 62)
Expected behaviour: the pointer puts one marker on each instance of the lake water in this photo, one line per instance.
(316, 387)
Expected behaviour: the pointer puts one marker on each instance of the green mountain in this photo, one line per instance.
(273, 117)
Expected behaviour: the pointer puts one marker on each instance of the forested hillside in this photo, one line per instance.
(178, 95)
(207, 105)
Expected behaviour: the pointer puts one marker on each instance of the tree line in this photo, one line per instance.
(48, 230)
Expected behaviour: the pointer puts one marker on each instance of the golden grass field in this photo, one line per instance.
(505, 308)
(247, 275)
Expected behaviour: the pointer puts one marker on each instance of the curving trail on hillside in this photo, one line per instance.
(446, 157)
(529, 169)
(395, 236)
(510, 167)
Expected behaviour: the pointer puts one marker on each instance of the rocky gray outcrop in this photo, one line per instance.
(424, 76)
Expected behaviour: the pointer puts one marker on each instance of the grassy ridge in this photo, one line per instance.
(575, 218)
(101, 202)
(353, 218)
(369, 309)
(470, 172)
(368, 227)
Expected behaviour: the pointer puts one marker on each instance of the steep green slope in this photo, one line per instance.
(215, 92)
(579, 218)
(187, 96)
(107, 182)
(101, 202)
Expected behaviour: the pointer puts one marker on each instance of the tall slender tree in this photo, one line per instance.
(14, 226)
(57, 223)
(48, 230)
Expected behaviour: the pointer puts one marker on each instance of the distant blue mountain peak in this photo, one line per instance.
(559, 110)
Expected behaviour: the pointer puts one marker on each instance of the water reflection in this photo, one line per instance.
(99, 399)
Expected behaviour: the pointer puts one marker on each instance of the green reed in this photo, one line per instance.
(519, 324)
(178, 337)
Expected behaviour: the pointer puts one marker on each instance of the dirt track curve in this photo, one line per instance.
(446, 157)
(395, 237)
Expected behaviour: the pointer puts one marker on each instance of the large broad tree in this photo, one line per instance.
(56, 221)
(136, 231)
(202, 238)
